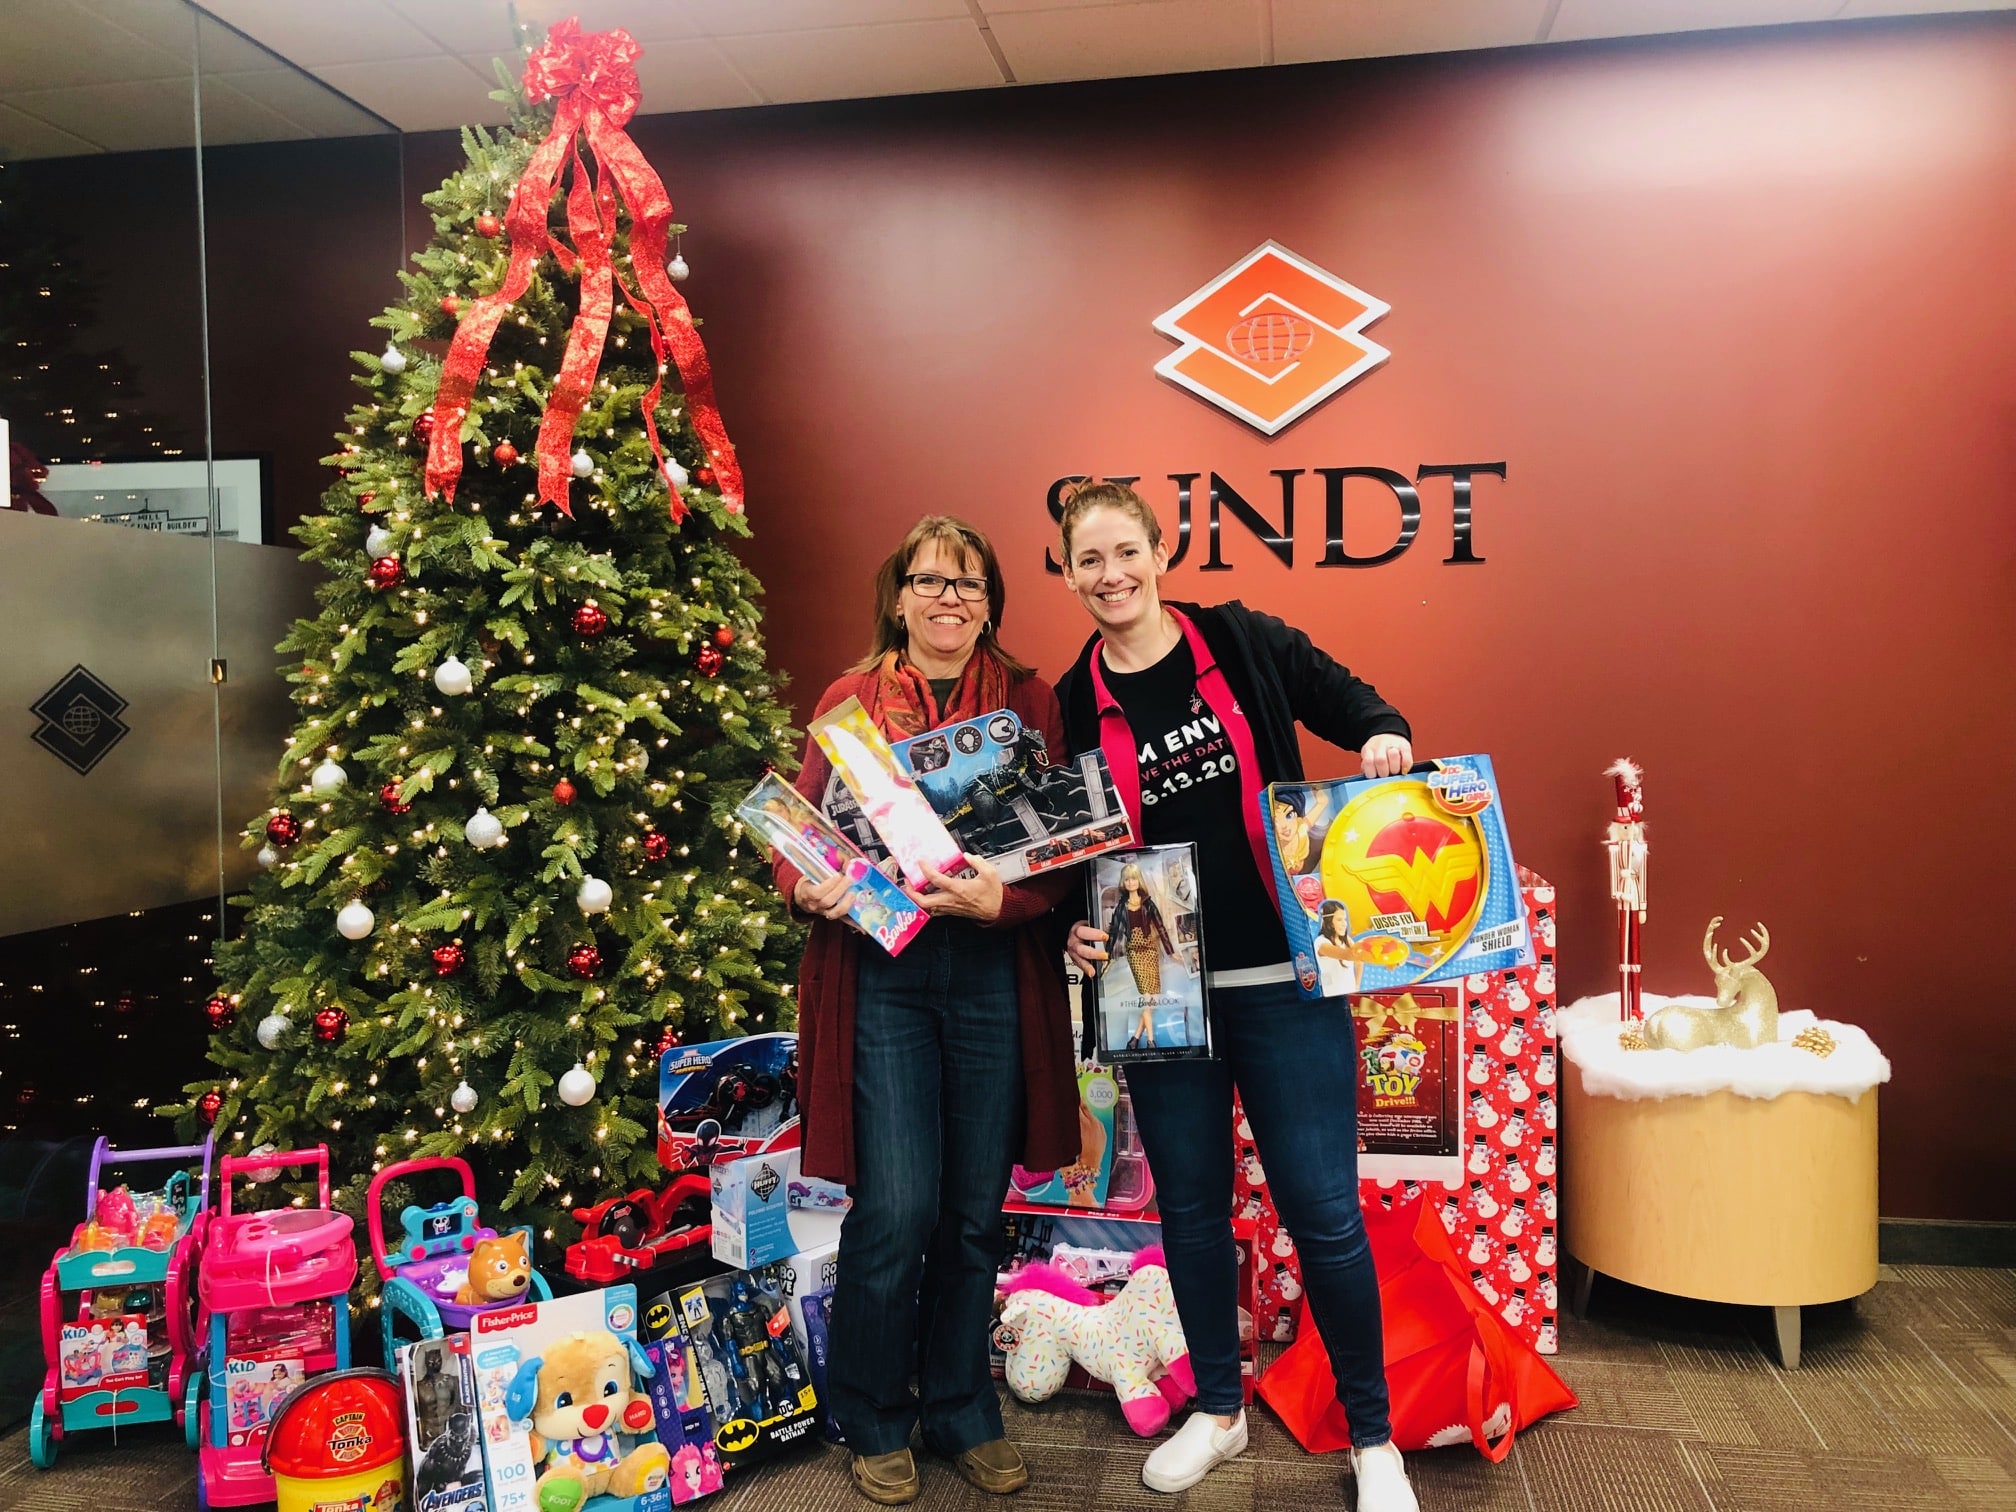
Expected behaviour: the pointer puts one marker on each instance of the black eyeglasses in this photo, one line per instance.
(932, 585)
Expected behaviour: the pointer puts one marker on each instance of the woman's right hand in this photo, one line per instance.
(827, 899)
(1087, 947)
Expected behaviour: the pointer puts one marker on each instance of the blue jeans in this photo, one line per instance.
(1294, 1064)
(938, 1115)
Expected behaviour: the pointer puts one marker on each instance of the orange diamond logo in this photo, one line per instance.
(1271, 338)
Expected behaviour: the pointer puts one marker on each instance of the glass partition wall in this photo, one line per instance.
(171, 370)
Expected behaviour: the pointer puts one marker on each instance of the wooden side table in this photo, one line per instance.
(1765, 1202)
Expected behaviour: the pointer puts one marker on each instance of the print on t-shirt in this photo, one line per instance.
(1194, 750)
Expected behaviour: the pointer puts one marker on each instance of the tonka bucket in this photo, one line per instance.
(338, 1444)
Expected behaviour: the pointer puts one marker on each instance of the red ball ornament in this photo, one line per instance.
(590, 621)
(449, 959)
(704, 475)
(585, 962)
(386, 572)
(505, 453)
(364, 500)
(423, 424)
(488, 224)
(124, 1003)
(450, 304)
(220, 1012)
(668, 1041)
(563, 792)
(725, 637)
(708, 660)
(209, 1105)
(389, 796)
(331, 1024)
(656, 847)
(283, 829)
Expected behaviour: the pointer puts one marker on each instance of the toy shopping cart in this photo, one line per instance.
(275, 1286)
(445, 1251)
(119, 1327)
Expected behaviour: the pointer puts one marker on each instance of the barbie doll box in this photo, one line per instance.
(1390, 882)
(900, 815)
(777, 814)
(990, 779)
(1147, 1002)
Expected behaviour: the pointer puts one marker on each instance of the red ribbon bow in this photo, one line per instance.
(593, 80)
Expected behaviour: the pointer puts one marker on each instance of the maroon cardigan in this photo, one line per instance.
(827, 976)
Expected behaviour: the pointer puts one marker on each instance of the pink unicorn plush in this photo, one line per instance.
(1134, 1341)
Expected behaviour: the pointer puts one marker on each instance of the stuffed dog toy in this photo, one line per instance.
(500, 1270)
(584, 1405)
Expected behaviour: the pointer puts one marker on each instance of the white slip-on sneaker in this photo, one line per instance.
(1382, 1480)
(1192, 1451)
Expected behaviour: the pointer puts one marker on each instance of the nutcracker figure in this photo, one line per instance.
(1626, 844)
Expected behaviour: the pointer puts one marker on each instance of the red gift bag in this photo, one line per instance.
(1455, 1373)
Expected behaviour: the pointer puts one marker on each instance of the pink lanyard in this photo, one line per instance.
(1116, 739)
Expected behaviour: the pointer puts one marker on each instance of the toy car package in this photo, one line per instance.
(990, 779)
(1390, 882)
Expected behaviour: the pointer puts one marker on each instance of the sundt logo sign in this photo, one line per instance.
(1271, 338)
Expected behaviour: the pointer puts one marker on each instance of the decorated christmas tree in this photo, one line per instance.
(501, 872)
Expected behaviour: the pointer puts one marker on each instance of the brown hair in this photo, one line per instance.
(1091, 494)
(969, 545)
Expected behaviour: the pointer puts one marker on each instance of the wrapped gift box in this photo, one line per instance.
(1500, 1202)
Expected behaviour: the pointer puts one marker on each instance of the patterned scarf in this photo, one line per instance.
(903, 704)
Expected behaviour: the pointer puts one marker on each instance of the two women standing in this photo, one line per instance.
(930, 1074)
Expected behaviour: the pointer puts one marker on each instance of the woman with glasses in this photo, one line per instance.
(926, 1076)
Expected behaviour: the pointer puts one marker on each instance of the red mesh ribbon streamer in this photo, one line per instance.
(593, 80)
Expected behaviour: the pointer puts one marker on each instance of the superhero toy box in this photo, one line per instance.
(990, 780)
(727, 1098)
(443, 1425)
(1389, 882)
(563, 1388)
(738, 1352)
(778, 814)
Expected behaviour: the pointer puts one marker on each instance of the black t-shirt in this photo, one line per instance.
(1190, 791)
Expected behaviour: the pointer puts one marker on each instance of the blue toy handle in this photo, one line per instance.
(103, 1155)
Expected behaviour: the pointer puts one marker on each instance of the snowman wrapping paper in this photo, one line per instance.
(1500, 1202)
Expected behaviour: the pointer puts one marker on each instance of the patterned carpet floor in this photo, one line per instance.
(1905, 1400)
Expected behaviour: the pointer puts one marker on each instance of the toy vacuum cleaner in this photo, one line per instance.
(446, 1267)
(274, 1284)
(119, 1331)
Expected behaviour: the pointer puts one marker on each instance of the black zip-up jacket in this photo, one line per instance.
(1280, 678)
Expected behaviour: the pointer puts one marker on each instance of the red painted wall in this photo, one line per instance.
(1733, 311)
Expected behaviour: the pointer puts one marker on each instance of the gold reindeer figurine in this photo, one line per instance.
(1746, 1005)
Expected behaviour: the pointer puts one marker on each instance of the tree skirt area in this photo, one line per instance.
(1589, 1028)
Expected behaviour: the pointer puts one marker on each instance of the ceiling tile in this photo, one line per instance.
(852, 62)
(1145, 37)
(691, 76)
(135, 117)
(734, 18)
(50, 45)
(225, 51)
(1310, 31)
(23, 136)
(317, 33)
(1860, 8)
(304, 100)
(646, 20)
(463, 26)
(1011, 7)
(418, 94)
(231, 117)
(1579, 19)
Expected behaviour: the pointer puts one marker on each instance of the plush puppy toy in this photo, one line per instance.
(584, 1405)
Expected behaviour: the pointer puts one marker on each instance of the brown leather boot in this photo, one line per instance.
(890, 1479)
(995, 1467)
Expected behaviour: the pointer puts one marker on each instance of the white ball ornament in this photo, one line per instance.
(327, 780)
(394, 360)
(484, 830)
(453, 677)
(581, 463)
(378, 543)
(354, 920)
(676, 270)
(676, 475)
(594, 896)
(268, 858)
(463, 1098)
(577, 1086)
(273, 1028)
(260, 1152)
